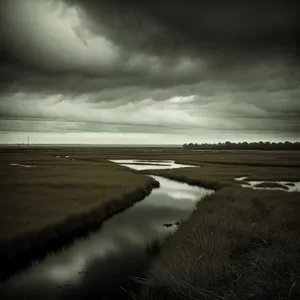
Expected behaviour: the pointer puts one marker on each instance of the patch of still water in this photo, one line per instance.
(288, 186)
(137, 164)
(24, 166)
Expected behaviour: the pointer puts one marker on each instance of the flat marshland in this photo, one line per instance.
(57, 198)
(238, 243)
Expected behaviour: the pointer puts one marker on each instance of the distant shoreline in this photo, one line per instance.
(290, 146)
(81, 146)
(255, 146)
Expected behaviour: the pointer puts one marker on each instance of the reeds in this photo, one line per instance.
(154, 246)
(237, 244)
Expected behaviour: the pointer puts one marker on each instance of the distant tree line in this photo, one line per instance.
(244, 146)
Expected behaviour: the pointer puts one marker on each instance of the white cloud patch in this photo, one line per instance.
(181, 100)
(55, 33)
(221, 115)
(146, 112)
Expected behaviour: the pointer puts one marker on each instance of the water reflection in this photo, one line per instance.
(137, 164)
(287, 186)
(103, 262)
(25, 166)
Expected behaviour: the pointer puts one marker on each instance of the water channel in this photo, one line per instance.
(101, 265)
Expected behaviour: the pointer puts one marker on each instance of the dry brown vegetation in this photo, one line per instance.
(237, 244)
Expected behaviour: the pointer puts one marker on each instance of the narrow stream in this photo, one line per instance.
(101, 265)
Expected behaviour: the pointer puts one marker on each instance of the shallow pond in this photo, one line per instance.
(103, 263)
(137, 164)
(24, 166)
(286, 185)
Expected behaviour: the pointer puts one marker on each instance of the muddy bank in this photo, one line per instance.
(19, 252)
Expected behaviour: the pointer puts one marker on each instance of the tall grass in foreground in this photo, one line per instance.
(154, 246)
(238, 244)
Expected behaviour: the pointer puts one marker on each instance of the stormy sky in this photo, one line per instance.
(161, 72)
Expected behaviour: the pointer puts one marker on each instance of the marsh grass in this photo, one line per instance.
(182, 156)
(48, 206)
(153, 247)
(237, 244)
(290, 159)
(218, 176)
(271, 185)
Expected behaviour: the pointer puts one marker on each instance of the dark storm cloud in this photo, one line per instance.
(172, 27)
(16, 78)
(222, 33)
(120, 66)
(56, 126)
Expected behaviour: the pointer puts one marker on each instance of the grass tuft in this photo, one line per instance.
(237, 244)
(153, 247)
(271, 185)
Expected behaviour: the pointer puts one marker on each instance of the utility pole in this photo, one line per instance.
(28, 142)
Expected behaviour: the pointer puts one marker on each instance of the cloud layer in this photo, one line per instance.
(191, 71)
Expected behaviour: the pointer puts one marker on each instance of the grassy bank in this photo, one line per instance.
(218, 168)
(44, 207)
(242, 158)
(271, 185)
(237, 244)
(217, 176)
(47, 206)
(155, 245)
(254, 158)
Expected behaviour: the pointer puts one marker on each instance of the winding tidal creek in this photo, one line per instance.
(101, 265)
